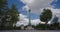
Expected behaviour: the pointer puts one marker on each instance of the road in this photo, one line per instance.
(30, 31)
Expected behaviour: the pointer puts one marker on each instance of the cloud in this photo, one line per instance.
(36, 5)
(23, 20)
(26, 1)
(25, 8)
(55, 12)
(36, 21)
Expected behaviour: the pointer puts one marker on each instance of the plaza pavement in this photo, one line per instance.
(29, 30)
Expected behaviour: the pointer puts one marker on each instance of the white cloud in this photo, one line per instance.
(55, 11)
(24, 21)
(25, 8)
(36, 21)
(26, 1)
(37, 5)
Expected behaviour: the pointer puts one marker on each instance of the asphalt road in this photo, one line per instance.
(30, 31)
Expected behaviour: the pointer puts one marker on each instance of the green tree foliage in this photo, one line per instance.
(25, 27)
(14, 14)
(3, 6)
(7, 16)
(3, 10)
(46, 15)
(39, 26)
(11, 17)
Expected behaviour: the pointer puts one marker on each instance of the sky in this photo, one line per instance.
(36, 7)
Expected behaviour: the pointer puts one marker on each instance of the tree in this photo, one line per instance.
(46, 15)
(11, 17)
(39, 26)
(7, 16)
(14, 14)
(3, 10)
(3, 6)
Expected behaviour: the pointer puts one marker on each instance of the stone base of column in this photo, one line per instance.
(29, 28)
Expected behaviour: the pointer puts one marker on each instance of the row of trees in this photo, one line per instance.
(8, 16)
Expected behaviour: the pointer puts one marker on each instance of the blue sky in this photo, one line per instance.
(57, 4)
(36, 7)
(20, 4)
